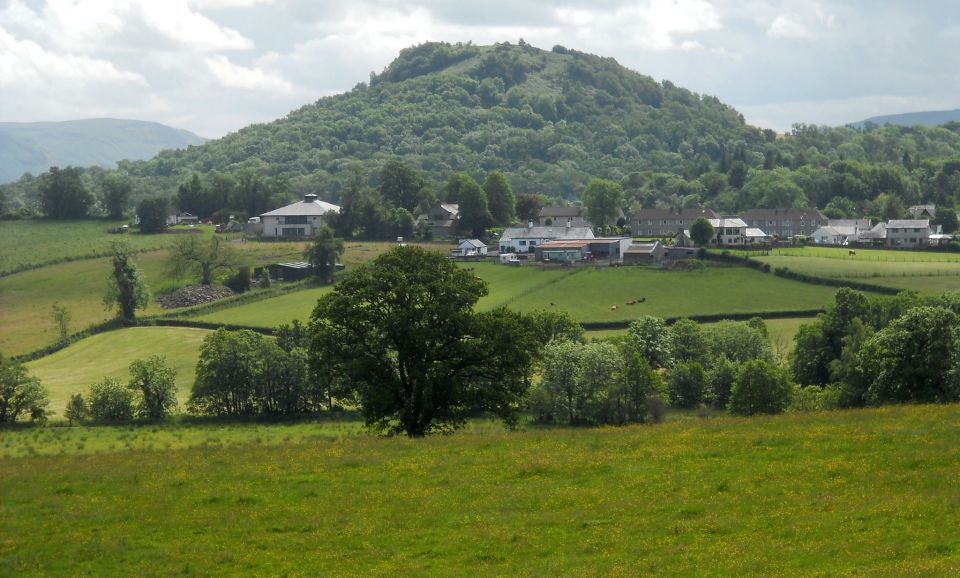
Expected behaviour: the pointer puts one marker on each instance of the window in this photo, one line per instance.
(532, 243)
(294, 232)
(295, 220)
(522, 243)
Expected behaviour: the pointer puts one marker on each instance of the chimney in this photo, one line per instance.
(309, 198)
(529, 224)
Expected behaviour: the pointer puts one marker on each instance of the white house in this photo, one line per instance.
(472, 248)
(301, 219)
(728, 231)
(526, 239)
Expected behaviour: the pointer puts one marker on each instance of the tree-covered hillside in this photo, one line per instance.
(550, 121)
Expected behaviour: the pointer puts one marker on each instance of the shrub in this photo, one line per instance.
(76, 410)
(110, 402)
(20, 394)
(761, 387)
(688, 383)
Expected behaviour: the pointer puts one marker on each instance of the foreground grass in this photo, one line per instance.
(859, 492)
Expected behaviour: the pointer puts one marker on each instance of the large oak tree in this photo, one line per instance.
(403, 334)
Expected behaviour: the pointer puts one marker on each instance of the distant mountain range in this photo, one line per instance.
(925, 118)
(36, 146)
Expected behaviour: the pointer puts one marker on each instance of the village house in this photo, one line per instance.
(666, 222)
(728, 232)
(526, 239)
(909, 233)
(301, 219)
(562, 216)
(442, 218)
(923, 211)
(785, 223)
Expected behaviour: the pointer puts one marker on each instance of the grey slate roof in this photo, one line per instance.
(908, 223)
(560, 211)
(544, 232)
(311, 207)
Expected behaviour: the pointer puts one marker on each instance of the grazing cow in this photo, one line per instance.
(613, 308)
(851, 253)
(631, 302)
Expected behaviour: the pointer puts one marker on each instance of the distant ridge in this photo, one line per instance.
(925, 118)
(35, 146)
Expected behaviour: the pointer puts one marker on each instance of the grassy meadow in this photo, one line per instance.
(588, 294)
(931, 272)
(870, 492)
(26, 298)
(52, 241)
(73, 369)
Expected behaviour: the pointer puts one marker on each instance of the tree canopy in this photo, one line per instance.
(402, 332)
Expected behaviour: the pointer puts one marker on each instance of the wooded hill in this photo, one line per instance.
(551, 121)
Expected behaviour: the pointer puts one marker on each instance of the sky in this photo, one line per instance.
(215, 66)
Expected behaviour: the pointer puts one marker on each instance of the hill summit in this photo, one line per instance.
(550, 119)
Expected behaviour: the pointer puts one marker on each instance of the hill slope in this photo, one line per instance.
(924, 118)
(35, 146)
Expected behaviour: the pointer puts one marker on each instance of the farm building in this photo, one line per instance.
(183, 218)
(644, 253)
(301, 219)
(576, 250)
(293, 271)
(472, 248)
(526, 239)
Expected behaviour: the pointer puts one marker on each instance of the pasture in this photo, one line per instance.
(869, 492)
(75, 368)
(588, 294)
(50, 241)
(26, 298)
(931, 272)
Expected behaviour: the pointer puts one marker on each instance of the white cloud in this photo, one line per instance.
(175, 20)
(240, 77)
(651, 25)
(783, 27)
(24, 64)
(227, 4)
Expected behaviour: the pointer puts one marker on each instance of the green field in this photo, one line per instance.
(847, 493)
(26, 298)
(588, 294)
(73, 369)
(51, 241)
(931, 272)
